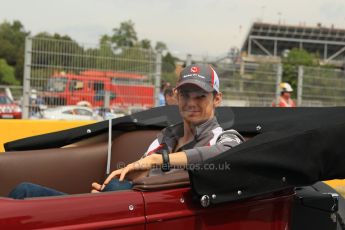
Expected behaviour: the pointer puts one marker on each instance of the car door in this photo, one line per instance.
(108, 210)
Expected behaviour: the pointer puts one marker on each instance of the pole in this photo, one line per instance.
(189, 60)
(278, 81)
(26, 78)
(300, 85)
(158, 76)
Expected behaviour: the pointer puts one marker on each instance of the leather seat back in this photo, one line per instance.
(130, 147)
(73, 169)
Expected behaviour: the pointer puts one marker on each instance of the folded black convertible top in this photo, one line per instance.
(296, 147)
(291, 147)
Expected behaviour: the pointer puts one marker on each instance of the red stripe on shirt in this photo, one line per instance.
(152, 151)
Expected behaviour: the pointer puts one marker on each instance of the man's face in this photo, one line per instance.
(196, 105)
(286, 95)
(170, 100)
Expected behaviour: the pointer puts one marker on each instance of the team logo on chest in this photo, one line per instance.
(195, 69)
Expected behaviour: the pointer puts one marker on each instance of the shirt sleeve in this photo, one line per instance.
(154, 146)
(225, 141)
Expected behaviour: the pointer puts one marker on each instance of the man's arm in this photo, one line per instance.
(225, 141)
(178, 159)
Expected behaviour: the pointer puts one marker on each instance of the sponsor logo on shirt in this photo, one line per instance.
(229, 138)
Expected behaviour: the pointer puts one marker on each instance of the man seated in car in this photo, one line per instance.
(198, 138)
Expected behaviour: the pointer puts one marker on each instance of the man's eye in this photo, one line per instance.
(184, 95)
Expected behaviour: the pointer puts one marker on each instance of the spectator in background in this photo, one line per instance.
(164, 85)
(169, 96)
(285, 96)
(37, 103)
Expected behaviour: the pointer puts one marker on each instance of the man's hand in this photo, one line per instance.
(141, 167)
(133, 171)
(130, 176)
(96, 188)
(142, 164)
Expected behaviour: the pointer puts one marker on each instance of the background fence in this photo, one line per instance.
(257, 84)
(67, 73)
(247, 84)
(61, 72)
(322, 87)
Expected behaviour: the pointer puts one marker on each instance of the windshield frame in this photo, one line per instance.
(56, 84)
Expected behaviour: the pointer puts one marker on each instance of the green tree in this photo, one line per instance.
(168, 63)
(7, 74)
(12, 42)
(161, 46)
(60, 51)
(145, 44)
(296, 57)
(105, 39)
(168, 68)
(125, 35)
(105, 54)
(126, 52)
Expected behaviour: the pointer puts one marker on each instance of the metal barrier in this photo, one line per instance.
(322, 87)
(246, 84)
(59, 72)
(253, 85)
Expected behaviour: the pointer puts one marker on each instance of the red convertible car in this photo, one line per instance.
(9, 109)
(264, 188)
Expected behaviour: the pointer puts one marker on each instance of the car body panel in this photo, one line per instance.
(70, 113)
(9, 109)
(176, 209)
(168, 209)
(85, 211)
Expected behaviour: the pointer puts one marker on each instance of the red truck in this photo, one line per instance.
(90, 86)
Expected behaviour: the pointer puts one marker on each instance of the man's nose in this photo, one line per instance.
(191, 101)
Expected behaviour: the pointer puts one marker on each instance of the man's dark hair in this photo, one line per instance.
(164, 85)
(168, 91)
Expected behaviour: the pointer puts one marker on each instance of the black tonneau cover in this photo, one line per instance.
(296, 147)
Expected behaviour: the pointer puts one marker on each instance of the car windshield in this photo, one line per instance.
(5, 100)
(56, 84)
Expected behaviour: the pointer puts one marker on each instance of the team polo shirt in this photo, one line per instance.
(209, 141)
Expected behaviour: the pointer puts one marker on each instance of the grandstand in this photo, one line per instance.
(268, 42)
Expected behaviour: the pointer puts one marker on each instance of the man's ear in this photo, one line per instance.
(218, 99)
(175, 94)
(174, 90)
